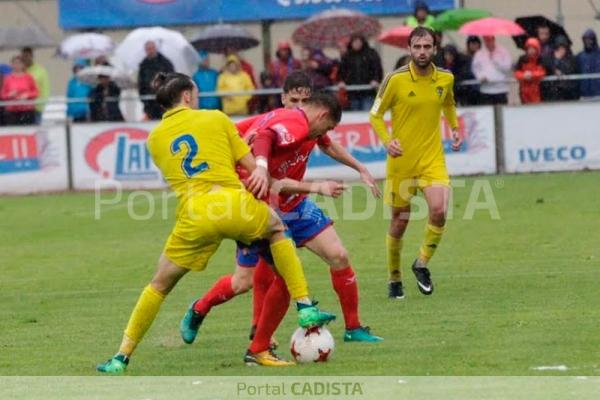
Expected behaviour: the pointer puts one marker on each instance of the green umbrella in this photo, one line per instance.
(452, 20)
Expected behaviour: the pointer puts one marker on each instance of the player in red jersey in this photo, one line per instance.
(283, 140)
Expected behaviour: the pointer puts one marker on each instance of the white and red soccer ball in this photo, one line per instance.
(312, 344)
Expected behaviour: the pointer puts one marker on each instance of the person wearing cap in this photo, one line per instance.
(233, 79)
(588, 62)
(283, 64)
(206, 80)
(529, 71)
(421, 16)
(561, 62)
(77, 89)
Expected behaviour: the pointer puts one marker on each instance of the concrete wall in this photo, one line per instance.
(578, 14)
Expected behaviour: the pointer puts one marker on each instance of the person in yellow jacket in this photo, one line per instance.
(233, 79)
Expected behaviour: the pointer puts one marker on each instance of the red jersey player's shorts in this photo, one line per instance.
(304, 222)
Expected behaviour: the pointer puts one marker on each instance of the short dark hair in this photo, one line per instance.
(328, 101)
(169, 87)
(27, 50)
(422, 31)
(297, 80)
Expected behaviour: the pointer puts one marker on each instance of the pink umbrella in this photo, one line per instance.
(326, 28)
(397, 37)
(492, 27)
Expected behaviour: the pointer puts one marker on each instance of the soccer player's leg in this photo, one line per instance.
(263, 277)
(397, 194)
(435, 185)
(144, 313)
(189, 247)
(276, 304)
(251, 220)
(310, 227)
(226, 288)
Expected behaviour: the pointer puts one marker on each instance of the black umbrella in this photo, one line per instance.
(217, 38)
(532, 22)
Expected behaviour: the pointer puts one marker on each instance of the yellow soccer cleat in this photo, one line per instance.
(266, 358)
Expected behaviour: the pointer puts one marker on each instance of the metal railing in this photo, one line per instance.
(267, 92)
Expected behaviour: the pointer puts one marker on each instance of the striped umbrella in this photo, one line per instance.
(327, 28)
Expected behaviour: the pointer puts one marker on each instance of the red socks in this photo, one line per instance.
(263, 277)
(276, 303)
(344, 283)
(218, 294)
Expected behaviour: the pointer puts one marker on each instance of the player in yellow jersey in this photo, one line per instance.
(197, 152)
(416, 95)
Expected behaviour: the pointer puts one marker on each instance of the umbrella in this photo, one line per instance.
(397, 37)
(491, 27)
(531, 23)
(90, 75)
(451, 20)
(327, 28)
(217, 38)
(86, 45)
(169, 43)
(14, 37)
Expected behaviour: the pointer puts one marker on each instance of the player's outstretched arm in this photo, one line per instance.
(326, 188)
(343, 156)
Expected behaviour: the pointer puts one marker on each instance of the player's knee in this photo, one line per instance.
(241, 284)
(437, 216)
(338, 257)
(162, 286)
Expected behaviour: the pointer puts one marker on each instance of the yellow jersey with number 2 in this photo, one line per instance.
(197, 151)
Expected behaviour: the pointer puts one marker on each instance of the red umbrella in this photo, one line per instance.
(397, 37)
(326, 28)
(492, 27)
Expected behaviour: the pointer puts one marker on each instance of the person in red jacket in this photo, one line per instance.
(19, 85)
(530, 71)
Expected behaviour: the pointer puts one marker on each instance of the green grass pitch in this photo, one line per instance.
(511, 294)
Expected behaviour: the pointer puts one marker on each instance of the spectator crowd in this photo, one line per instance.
(482, 75)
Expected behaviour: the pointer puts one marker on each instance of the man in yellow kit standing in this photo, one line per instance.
(416, 94)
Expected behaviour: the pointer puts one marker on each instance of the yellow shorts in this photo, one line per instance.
(400, 188)
(205, 220)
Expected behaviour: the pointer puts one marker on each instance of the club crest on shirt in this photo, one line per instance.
(440, 91)
(285, 137)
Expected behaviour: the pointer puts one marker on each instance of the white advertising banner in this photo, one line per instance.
(560, 137)
(113, 154)
(477, 155)
(33, 159)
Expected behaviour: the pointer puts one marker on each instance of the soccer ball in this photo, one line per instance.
(312, 344)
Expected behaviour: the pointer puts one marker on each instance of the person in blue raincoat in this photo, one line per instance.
(589, 63)
(77, 89)
(206, 80)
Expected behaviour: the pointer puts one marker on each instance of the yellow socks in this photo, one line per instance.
(433, 236)
(394, 247)
(289, 267)
(141, 318)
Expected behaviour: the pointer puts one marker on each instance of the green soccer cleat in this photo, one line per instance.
(362, 334)
(116, 365)
(190, 324)
(310, 316)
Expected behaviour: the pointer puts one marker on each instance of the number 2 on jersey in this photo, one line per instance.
(192, 151)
